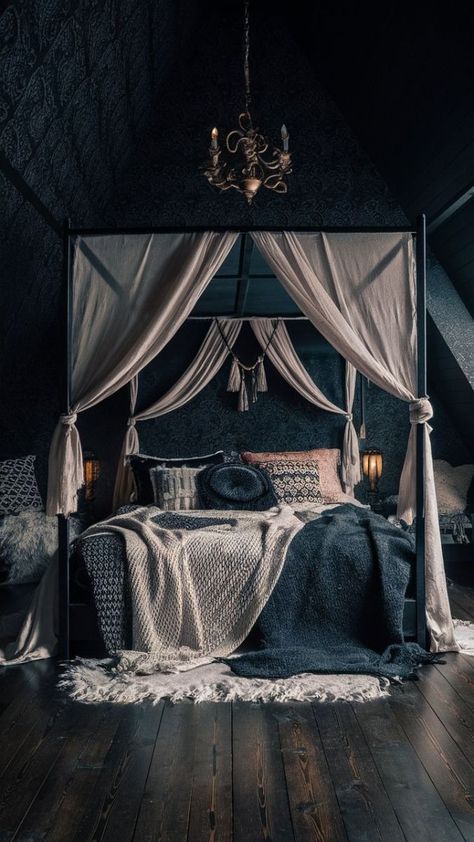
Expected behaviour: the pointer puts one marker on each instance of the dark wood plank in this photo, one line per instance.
(313, 802)
(261, 807)
(419, 807)
(211, 802)
(442, 758)
(40, 818)
(82, 807)
(456, 715)
(34, 765)
(364, 804)
(459, 672)
(165, 808)
(123, 799)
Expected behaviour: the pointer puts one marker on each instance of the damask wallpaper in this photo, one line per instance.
(105, 110)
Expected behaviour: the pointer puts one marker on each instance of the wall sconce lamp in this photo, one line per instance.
(91, 475)
(372, 466)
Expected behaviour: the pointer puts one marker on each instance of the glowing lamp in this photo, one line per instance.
(372, 466)
(91, 475)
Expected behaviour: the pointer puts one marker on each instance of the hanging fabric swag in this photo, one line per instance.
(247, 380)
(351, 286)
(130, 296)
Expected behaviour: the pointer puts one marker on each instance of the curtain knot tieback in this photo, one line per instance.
(349, 416)
(420, 411)
(68, 420)
(131, 422)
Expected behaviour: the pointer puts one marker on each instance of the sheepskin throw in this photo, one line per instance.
(28, 542)
(452, 486)
(197, 591)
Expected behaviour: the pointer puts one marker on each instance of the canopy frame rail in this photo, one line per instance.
(70, 233)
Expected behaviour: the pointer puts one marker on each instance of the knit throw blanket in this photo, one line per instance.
(338, 604)
(198, 581)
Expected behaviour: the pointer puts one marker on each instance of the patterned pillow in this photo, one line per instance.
(295, 483)
(175, 489)
(141, 465)
(236, 487)
(328, 459)
(18, 487)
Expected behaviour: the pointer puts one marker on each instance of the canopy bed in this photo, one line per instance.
(364, 289)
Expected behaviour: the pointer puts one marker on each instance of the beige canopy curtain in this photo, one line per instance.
(207, 362)
(359, 292)
(282, 354)
(130, 296)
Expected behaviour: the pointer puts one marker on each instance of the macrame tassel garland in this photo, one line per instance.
(247, 380)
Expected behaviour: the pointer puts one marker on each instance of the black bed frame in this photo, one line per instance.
(74, 618)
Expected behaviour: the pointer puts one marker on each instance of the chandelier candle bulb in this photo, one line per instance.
(214, 136)
(285, 137)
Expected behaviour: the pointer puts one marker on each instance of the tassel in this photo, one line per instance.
(243, 396)
(262, 385)
(362, 432)
(253, 382)
(235, 376)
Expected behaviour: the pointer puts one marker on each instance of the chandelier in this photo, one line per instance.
(260, 165)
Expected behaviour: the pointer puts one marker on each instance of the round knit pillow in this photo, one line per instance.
(236, 486)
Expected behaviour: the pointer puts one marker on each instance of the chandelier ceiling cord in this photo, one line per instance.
(270, 169)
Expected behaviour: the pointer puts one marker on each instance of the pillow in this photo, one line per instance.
(328, 459)
(141, 465)
(175, 489)
(28, 541)
(18, 487)
(452, 486)
(295, 483)
(236, 486)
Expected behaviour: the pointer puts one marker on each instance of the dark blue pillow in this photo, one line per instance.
(234, 485)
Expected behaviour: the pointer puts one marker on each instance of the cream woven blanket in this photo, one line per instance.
(196, 592)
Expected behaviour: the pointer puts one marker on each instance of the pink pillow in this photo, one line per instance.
(328, 459)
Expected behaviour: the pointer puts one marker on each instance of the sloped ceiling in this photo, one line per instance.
(105, 112)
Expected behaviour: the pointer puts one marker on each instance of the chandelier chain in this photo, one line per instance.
(248, 97)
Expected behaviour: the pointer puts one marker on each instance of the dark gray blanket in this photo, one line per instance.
(338, 604)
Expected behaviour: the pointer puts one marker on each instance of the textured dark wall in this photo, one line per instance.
(107, 116)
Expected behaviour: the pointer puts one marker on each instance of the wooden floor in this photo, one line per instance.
(394, 769)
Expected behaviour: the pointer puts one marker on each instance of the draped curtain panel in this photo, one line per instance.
(281, 352)
(359, 291)
(130, 296)
(207, 362)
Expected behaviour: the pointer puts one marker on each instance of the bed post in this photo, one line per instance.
(421, 390)
(63, 521)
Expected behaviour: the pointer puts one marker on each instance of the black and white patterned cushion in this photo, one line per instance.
(18, 487)
(295, 483)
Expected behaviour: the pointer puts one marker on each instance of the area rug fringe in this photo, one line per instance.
(95, 681)
(464, 634)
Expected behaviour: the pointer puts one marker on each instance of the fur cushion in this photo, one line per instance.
(141, 465)
(236, 486)
(328, 459)
(175, 489)
(28, 541)
(18, 487)
(452, 486)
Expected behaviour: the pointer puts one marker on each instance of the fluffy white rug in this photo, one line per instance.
(96, 681)
(464, 633)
